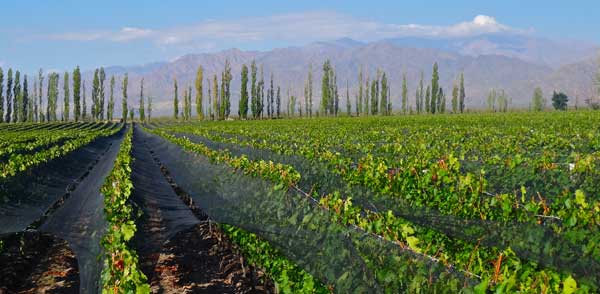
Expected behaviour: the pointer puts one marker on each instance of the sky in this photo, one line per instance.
(61, 34)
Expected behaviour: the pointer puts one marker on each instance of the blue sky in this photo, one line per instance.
(60, 34)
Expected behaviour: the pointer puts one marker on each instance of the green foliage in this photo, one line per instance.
(121, 272)
(142, 109)
(243, 109)
(435, 78)
(538, 102)
(124, 106)
(199, 93)
(77, 93)
(175, 100)
(66, 106)
(559, 100)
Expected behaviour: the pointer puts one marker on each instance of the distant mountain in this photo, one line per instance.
(508, 65)
(523, 46)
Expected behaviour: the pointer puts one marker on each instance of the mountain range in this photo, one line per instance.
(515, 63)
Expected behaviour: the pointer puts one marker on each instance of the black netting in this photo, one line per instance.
(349, 259)
(33, 199)
(529, 241)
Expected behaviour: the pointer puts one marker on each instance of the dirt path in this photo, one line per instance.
(180, 250)
(37, 263)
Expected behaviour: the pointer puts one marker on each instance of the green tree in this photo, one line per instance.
(537, 101)
(310, 91)
(216, 105)
(26, 105)
(17, 97)
(559, 100)
(34, 110)
(243, 109)
(462, 94)
(441, 98)
(348, 105)
(455, 98)
(149, 108)
(96, 95)
(404, 95)
(52, 96)
(226, 91)
(420, 95)
(66, 106)
(111, 100)
(325, 87)
(253, 92)
(434, 87)
(374, 96)
(199, 93)
(175, 100)
(9, 81)
(131, 114)
(336, 97)
(41, 117)
(77, 93)
(367, 96)
(124, 106)
(278, 101)
(359, 96)
(1, 95)
(101, 93)
(261, 93)
(142, 106)
(384, 98)
(491, 100)
(427, 99)
(84, 106)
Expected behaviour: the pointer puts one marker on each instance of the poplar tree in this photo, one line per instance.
(199, 92)
(404, 95)
(101, 93)
(434, 87)
(254, 98)
(25, 108)
(269, 98)
(149, 108)
(325, 87)
(310, 90)
(462, 93)
(441, 101)
(95, 95)
(66, 106)
(359, 97)
(455, 98)
(84, 106)
(374, 98)
(34, 110)
(77, 93)
(367, 96)
(538, 99)
(1, 95)
(142, 107)
(189, 114)
(17, 97)
(111, 100)
(261, 91)
(215, 97)
(419, 95)
(124, 99)
(427, 99)
(41, 117)
(272, 97)
(52, 96)
(384, 102)
(278, 102)
(9, 85)
(336, 97)
(243, 108)
(175, 100)
(348, 106)
(226, 91)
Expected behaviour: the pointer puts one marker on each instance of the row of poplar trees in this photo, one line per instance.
(18, 105)
(257, 101)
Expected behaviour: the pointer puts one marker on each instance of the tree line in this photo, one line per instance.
(263, 99)
(17, 104)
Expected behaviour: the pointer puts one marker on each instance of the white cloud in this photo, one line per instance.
(299, 27)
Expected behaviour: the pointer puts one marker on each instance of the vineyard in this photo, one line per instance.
(475, 203)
